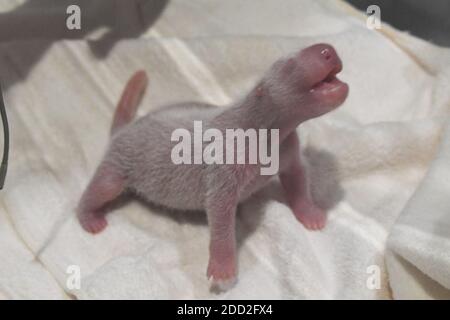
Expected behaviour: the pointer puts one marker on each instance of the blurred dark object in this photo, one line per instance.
(428, 20)
(4, 164)
(45, 21)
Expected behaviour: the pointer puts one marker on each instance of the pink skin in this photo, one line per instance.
(106, 186)
(108, 182)
(295, 89)
(294, 182)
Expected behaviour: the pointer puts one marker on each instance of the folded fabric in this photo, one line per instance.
(378, 164)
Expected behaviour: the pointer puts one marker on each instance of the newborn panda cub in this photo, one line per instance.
(297, 88)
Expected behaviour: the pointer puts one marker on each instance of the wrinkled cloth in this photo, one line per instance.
(379, 164)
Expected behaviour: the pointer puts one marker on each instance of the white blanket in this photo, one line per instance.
(379, 164)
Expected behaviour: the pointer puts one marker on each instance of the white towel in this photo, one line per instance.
(378, 164)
